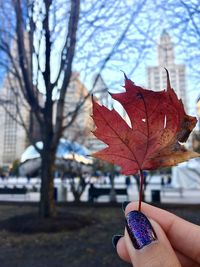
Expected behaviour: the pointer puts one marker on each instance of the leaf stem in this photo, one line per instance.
(141, 189)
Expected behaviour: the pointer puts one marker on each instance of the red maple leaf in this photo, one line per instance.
(159, 125)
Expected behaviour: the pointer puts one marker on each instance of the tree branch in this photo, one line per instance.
(71, 42)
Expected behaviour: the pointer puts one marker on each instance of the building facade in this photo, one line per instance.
(166, 59)
(81, 129)
(13, 138)
(78, 104)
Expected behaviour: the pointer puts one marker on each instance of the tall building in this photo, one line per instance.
(166, 59)
(77, 98)
(82, 126)
(13, 138)
(100, 92)
(13, 109)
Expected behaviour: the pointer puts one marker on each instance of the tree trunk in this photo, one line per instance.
(76, 197)
(112, 190)
(47, 201)
(77, 190)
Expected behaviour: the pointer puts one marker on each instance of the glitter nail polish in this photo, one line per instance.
(139, 229)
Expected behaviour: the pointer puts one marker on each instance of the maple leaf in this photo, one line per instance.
(159, 125)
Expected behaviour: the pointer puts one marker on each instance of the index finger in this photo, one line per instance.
(183, 236)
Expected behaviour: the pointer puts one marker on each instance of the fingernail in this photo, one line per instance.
(124, 204)
(139, 229)
(115, 240)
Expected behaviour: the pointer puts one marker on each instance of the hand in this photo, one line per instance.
(169, 241)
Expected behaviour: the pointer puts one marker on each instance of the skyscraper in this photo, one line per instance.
(166, 59)
(13, 138)
(77, 95)
(81, 128)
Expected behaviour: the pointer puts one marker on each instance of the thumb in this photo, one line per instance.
(147, 244)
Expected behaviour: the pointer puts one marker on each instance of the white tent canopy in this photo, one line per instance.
(187, 174)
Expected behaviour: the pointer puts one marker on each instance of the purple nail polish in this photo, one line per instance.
(140, 230)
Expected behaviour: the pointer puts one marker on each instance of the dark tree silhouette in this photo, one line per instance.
(42, 42)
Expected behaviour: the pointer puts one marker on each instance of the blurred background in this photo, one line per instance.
(54, 55)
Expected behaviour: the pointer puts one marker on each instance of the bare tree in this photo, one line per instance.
(30, 70)
(41, 42)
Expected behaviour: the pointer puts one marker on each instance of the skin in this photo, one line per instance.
(178, 241)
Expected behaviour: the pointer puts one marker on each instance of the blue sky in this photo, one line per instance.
(116, 78)
(137, 50)
(153, 18)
